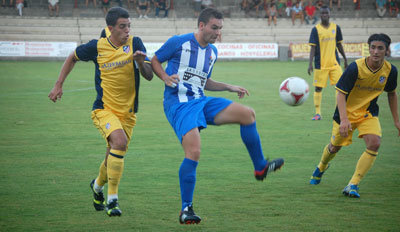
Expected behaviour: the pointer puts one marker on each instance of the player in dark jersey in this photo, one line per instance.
(325, 41)
(118, 59)
(358, 91)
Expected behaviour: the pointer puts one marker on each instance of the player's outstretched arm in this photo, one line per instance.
(170, 81)
(392, 99)
(56, 93)
(144, 67)
(212, 85)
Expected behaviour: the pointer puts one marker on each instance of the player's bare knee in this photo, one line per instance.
(250, 116)
(119, 144)
(373, 142)
(318, 89)
(374, 145)
(193, 154)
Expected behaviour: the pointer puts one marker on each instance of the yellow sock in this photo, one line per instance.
(326, 157)
(115, 167)
(317, 102)
(101, 180)
(365, 162)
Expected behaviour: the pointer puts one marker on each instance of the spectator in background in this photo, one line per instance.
(310, 13)
(272, 13)
(319, 4)
(106, 6)
(133, 6)
(143, 8)
(297, 12)
(280, 7)
(381, 7)
(356, 4)
(196, 7)
(206, 4)
(334, 1)
(393, 8)
(119, 2)
(289, 6)
(256, 5)
(19, 4)
(53, 6)
(94, 3)
(162, 5)
(266, 6)
(10, 5)
(244, 6)
(249, 5)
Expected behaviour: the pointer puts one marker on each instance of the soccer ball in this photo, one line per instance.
(294, 91)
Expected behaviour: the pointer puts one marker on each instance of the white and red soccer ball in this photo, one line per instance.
(294, 91)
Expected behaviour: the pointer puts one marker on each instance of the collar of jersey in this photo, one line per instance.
(108, 39)
(366, 64)
(194, 38)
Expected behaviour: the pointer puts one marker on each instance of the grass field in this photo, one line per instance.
(50, 153)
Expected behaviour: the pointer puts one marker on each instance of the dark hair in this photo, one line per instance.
(207, 14)
(325, 7)
(114, 14)
(380, 37)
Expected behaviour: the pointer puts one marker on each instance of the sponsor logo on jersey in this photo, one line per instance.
(126, 49)
(382, 79)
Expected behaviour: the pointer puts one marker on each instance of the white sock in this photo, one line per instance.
(111, 197)
(98, 188)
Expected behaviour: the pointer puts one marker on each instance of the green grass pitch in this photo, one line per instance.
(51, 151)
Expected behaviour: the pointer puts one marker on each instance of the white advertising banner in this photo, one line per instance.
(233, 50)
(63, 49)
(36, 49)
(247, 50)
(395, 50)
(8, 48)
(151, 48)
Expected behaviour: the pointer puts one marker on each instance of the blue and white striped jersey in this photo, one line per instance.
(191, 62)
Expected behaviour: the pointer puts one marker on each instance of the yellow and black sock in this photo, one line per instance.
(317, 102)
(115, 168)
(365, 162)
(326, 157)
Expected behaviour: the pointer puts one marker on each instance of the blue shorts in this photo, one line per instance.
(196, 113)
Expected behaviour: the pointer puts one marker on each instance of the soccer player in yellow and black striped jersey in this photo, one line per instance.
(118, 59)
(358, 91)
(324, 39)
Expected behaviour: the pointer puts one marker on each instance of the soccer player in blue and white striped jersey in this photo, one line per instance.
(190, 59)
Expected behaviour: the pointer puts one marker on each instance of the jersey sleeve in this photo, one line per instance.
(391, 84)
(348, 78)
(103, 33)
(339, 36)
(313, 37)
(215, 50)
(138, 45)
(87, 51)
(167, 49)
